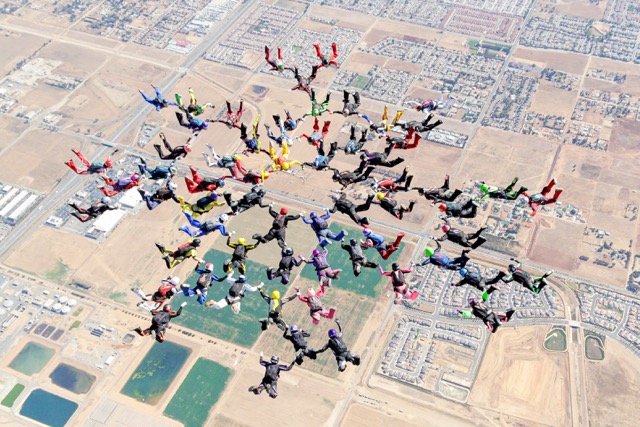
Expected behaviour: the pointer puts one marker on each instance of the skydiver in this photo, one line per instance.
(347, 178)
(317, 108)
(431, 105)
(278, 227)
(349, 108)
(405, 143)
(373, 158)
(193, 108)
(392, 206)
(239, 256)
(91, 168)
(502, 193)
(458, 236)
(399, 282)
(287, 262)
(205, 281)
(317, 137)
(183, 252)
(283, 138)
(347, 207)
(358, 259)
(275, 310)
(201, 206)
(300, 345)
(440, 194)
(320, 226)
(403, 183)
(235, 294)
(289, 123)
(440, 259)
(248, 200)
(469, 209)
(228, 161)
(157, 173)
(160, 321)
(316, 308)
(383, 127)
(233, 119)
(251, 176)
(276, 63)
(327, 60)
(373, 240)
(162, 194)
(93, 211)
(340, 349)
(323, 270)
(206, 227)
(538, 199)
(167, 289)
(122, 184)
(176, 153)
(199, 183)
(192, 122)
(281, 162)
(251, 143)
(355, 145)
(477, 280)
(534, 284)
(322, 160)
(159, 101)
(487, 315)
(304, 83)
(271, 375)
(420, 127)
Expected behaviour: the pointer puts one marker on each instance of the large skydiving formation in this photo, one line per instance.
(380, 190)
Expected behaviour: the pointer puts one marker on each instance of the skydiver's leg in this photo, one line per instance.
(345, 98)
(240, 109)
(318, 51)
(81, 157)
(81, 217)
(548, 187)
(192, 97)
(74, 168)
(364, 206)
(108, 193)
(334, 48)
(356, 98)
(325, 128)
(181, 120)
(272, 390)
(145, 97)
(192, 187)
(392, 163)
(279, 54)
(415, 142)
(556, 194)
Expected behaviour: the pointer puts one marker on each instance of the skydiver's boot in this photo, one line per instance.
(270, 273)
(479, 241)
(509, 313)
(161, 248)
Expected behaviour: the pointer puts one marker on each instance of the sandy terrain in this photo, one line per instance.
(612, 385)
(519, 378)
(561, 61)
(15, 46)
(582, 8)
(554, 101)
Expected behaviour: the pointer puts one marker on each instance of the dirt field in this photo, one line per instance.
(551, 243)
(16, 46)
(363, 416)
(553, 101)
(519, 378)
(612, 386)
(561, 61)
(77, 61)
(582, 9)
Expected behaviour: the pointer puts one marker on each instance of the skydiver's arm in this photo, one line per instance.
(292, 217)
(438, 248)
(323, 349)
(265, 297)
(339, 328)
(307, 221)
(272, 212)
(283, 301)
(248, 287)
(230, 244)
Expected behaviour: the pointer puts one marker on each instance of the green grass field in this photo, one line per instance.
(10, 398)
(198, 393)
(360, 82)
(369, 283)
(242, 328)
(156, 371)
(556, 339)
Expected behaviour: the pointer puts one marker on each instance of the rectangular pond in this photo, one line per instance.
(47, 408)
(72, 379)
(32, 358)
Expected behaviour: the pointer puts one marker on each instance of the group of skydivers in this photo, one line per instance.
(451, 203)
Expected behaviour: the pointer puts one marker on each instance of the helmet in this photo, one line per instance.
(223, 218)
(208, 267)
(106, 200)
(287, 251)
(187, 148)
(284, 211)
(315, 112)
(196, 242)
(135, 177)
(108, 163)
(345, 111)
(275, 295)
(205, 124)
(333, 333)
(213, 196)
(446, 228)
(313, 215)
(512, 267)
(363, 156)
(315, 252)
(167, 307)
(380, 196)
(293, 328)
(275, 359)
(484, 188)
(463, 272)
(442, 207)
(428, 252)
(311, 292)
(221, 183)
(353, 242)
(281, 67)
(395, 266)
(472, 301)
(172, 170)
(175, 281)
(242, 241)
(172, 186)
(366, 231)
(241, 278)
